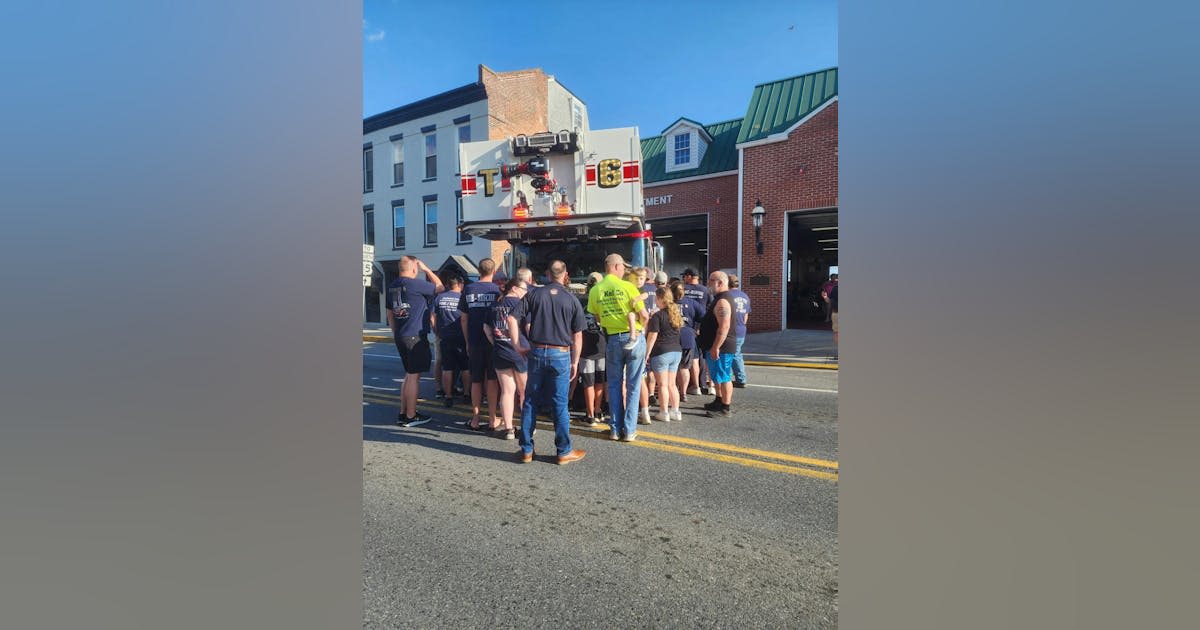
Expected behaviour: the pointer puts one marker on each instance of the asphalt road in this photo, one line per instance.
(704, 523)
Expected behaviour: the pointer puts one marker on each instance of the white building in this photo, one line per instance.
(411, 195)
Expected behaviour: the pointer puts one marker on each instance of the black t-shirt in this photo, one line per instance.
(691, 318)
(833, 299)
(477, 299)
(498, 320)
(709, 326)
(554, 315)
(594, 343)
(668, 337)
(409, 299)
(446, 309)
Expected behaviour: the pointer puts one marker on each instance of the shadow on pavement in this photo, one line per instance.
(421, 436)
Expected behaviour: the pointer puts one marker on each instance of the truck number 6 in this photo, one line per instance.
(608, 173)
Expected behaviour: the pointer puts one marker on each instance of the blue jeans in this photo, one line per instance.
(549, 375)
(632, 364)
(739, 363)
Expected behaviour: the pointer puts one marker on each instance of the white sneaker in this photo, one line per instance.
(645, 418)
(678, 415)
(665, 416)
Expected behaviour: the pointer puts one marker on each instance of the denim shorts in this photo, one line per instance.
(666, 362)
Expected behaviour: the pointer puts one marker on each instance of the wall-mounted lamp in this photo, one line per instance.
(757, 214)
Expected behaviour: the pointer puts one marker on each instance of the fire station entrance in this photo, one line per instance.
(684, 241)
(812, 252)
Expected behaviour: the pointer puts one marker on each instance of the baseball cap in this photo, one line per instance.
(660, 277)
(595, 276)
(689, 272)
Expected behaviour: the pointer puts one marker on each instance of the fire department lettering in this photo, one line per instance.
(489, 180)
(608, 173)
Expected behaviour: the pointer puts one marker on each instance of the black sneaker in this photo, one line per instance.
(739, 385)
(449, 402)
(587, 421)
(723, 412)
(416, 420)
(440, 394)
(713, 405)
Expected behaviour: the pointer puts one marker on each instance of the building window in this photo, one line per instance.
(369, 225)
(431, 221)
(398, 225)
(683, 149)
(577, 116)
(398, 163)
(431, 156)
(464, 133)
(463, 237)
(368, 172)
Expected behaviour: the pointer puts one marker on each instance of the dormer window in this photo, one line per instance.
(684, 143)
(683, 149)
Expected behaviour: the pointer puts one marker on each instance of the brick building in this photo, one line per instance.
(690, 185)
(702, 183)
(411, 187)
(788, 150)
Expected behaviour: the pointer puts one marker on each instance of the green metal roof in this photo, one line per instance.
(777, 105)
(720, 156)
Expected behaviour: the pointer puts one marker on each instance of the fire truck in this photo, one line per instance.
(574, 196)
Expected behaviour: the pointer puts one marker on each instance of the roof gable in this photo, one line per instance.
(688, 122)
(776, 106)
(720, 157)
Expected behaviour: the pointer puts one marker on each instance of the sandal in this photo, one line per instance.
(474, 427)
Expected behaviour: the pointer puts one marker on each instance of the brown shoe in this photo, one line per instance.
(574, 456)
(526, 457)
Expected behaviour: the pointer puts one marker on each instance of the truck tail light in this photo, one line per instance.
(562, 211)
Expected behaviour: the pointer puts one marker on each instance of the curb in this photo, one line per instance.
(807, 366)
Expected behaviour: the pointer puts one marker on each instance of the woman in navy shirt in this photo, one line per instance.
(510, 365)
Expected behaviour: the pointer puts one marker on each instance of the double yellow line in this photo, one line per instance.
(716, 451)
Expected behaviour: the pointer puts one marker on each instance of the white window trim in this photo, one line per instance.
(404, 218)
(460, 238)
(427, 155)
(398, 151)
(425, 222)
(693, 150)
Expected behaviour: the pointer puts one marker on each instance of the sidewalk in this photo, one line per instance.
(785, 348)
(792, 348)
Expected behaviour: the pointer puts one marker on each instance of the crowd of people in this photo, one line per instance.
(629, 343)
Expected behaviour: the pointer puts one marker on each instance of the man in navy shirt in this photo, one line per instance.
(741, 312)
(452, 345)
(555, 334)
(699, 293)
(475, 304)
(410, 301)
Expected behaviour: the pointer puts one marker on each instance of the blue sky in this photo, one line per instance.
(641, 64)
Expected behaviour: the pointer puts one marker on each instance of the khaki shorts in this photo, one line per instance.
(833, 316)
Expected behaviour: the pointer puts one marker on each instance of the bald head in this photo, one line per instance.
(718, 281)
(557, 271)
(614, 264)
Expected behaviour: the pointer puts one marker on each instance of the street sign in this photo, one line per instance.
(367, 269)
(368, 253)
(366, 281)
